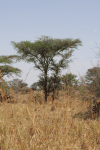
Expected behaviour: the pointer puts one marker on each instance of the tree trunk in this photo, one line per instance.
(46, 87)
(53, 96)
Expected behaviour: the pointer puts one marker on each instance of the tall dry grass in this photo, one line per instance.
(30, 124)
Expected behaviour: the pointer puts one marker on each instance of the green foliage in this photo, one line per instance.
(6, 69)
(69, 79)
(93, 80)
(42, 53)
(17, 84)
(36, 86)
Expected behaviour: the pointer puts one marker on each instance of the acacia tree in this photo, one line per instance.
(6, 69)
(53, 82)
(42, 53)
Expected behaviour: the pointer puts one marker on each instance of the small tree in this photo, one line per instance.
(18, 84)
(42, 53)
(6, 69)
(69, 79)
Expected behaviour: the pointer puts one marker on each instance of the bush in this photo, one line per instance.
(25, 90)
(96, 109)
(7, 97)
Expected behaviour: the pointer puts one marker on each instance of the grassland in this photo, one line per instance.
(61, 125)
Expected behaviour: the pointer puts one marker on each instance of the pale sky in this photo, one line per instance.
(22, 20)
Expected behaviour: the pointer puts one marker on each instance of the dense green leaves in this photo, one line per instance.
(69, 79)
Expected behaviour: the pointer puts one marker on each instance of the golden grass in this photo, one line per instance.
(27, 125)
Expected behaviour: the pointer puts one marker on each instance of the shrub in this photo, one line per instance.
(25, 90)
